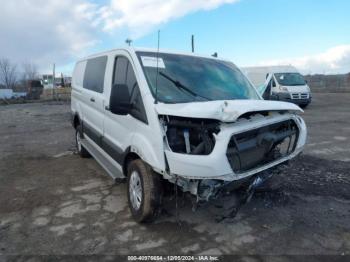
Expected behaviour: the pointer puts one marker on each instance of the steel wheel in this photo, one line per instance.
(78, 140)
(135, 190)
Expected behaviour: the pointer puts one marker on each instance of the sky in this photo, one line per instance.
(313, 35)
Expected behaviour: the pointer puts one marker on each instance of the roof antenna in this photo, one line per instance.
(128, 41)
(156, 102)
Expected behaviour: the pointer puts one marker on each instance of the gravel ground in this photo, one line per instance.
(52, 202)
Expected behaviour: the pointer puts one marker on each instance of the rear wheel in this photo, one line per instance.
(80, 148)
(144, 191)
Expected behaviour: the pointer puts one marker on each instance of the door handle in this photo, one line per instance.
(92, 99)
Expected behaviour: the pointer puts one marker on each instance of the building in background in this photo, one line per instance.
(61, 81)
(47, 81)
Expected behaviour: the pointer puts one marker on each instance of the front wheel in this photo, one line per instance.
(144, 191)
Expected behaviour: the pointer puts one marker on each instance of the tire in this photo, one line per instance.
(144, 191)
(80, 148)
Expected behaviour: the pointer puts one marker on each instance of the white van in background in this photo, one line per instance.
(282, 83)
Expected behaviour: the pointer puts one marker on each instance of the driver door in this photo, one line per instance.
(118, 129)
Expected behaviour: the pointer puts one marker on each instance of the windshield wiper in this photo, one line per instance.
(179, 85)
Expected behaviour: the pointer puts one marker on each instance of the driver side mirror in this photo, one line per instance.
(119, 102)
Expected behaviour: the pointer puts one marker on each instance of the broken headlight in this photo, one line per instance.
(191, 136)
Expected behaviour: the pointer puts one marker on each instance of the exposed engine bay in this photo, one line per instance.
(191, 136)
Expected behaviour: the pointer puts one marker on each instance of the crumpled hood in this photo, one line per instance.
(225, 111)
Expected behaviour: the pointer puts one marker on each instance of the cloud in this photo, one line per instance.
(141, 16)
(46, 31)
(333, 60)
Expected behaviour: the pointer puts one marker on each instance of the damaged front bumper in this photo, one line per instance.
(216, 165)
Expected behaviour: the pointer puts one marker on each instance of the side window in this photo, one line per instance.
(78, 75)
(95, 74)
(131, 80)
(120, 70)
(124, 74)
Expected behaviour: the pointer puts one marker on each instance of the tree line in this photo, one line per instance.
(12, 75)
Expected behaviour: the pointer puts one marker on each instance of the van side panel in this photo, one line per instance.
(92, 98)
(77, 86)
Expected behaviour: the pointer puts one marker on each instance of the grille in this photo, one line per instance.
(300, 96)
(262, 146)
(304, 96)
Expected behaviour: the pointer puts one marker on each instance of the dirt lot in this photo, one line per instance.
(54, 202)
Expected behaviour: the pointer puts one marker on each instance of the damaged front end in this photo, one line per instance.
(206, 155)
(257, 147)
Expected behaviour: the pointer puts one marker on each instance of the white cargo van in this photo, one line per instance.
(191, 120)
(282, 83)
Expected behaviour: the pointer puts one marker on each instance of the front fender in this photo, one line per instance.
(152, 154)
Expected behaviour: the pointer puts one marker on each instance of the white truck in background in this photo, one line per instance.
(282, 83)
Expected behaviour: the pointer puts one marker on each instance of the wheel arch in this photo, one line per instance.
(76, 120)
(129, 156)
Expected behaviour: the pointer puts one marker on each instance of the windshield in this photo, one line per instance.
(183, 79)
(290, 79)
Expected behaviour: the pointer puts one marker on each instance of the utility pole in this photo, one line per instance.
(53, 81)
(192, 43)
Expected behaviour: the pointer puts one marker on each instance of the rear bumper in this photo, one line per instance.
(216, 165)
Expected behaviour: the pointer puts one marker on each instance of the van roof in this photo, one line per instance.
(140, 49)
(271, 69)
